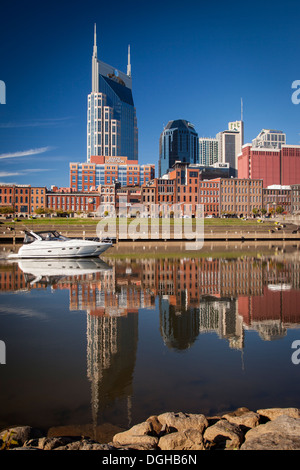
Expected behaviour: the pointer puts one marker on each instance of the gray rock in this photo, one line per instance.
(156, 426)
(191, 439)
(137, 435)
(25, 448)
(127, 439)
(243, 417)
(21, 434)
(270, 442)
(85, 444)
(223, 435)
(50, 443)
(282, 433)
(273, 413)
(183, 421)
(240, 429)
(146, 445)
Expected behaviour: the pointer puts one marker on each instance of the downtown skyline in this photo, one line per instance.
(193, 63)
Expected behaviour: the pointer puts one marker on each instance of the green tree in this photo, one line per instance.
(61, 213)
(40, 210)
(279, 209)
(6, 210)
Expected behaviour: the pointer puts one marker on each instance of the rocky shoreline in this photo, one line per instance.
(243, 429)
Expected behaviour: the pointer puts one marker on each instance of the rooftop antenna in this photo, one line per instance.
(129, 64)
(95, 42)
(95, 66)
(242, 110)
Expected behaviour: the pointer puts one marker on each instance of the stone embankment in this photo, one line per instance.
(264, 429)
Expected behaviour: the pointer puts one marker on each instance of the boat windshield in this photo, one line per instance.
(29, 238)
(51, 235)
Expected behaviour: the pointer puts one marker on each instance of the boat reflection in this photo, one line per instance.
(50, 271)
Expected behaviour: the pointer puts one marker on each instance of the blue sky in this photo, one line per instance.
(190, 60)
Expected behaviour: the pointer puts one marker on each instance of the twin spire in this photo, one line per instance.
(129, 64)
(95, 52)
(95, 42)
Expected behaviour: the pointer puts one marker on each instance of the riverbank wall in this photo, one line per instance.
(211, 233)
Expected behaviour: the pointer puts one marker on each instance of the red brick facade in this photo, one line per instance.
(22, 199)
(281, 167)
(108, 170)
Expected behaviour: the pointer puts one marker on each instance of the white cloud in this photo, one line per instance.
(23, 172)
(50, 122)
(36, 170)
(23, 311)
(24, 153)
(5, 174)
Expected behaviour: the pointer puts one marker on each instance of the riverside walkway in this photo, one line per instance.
(143, 232)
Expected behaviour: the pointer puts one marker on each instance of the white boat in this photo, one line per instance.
(51, 244)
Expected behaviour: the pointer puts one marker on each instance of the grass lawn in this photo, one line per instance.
(91, 221)
(52, 221)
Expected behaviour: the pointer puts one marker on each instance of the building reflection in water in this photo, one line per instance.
(194, 296)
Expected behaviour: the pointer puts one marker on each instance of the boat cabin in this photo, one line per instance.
(50, 235)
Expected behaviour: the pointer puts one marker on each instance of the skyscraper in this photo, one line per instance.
(230, 143)
(238, 127)
(269, 138)
(111, 117)
(178, 142)
(208, 151)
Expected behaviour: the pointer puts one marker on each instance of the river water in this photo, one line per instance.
(109, 342)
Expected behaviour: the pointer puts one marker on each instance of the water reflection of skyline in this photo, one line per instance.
(194, 296)
(221, 295)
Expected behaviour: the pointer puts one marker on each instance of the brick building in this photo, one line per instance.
(22, 199)
(185, 188)
(127, 198)
(277, 196)
(73, 201)
(108, 170)
(38, 199)
(295, 198)
(158, 192)
(210, 196)
(7, 195)
(240, 196)
(273, 166)
(102, 201)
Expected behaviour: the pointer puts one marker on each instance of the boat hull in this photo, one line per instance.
(68, 249)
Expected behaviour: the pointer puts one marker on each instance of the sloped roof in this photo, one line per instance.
(120, 90)
(180, 124)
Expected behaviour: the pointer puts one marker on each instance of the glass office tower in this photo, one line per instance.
(178, 142)
(111, 117)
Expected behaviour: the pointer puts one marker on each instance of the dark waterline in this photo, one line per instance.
(117, 341)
